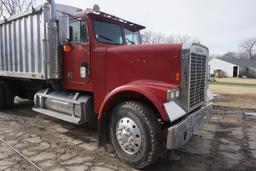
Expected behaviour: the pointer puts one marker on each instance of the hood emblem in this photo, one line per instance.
(139, 60)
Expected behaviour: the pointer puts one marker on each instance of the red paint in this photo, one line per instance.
(148, 70)
(126, 64)
(153, 90)
(73, 60)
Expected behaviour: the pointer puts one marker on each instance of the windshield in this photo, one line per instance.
(132, 38)
(108, 32)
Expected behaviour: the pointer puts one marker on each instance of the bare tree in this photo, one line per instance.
(11, 7)
(149, 37)
(183, 39)
(229, 55)
(249, 48)
(212, 56)
(158, 38)
(170, 39)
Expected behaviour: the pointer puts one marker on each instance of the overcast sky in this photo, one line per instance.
(218, 24)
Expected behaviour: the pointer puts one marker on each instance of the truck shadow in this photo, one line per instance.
(22, 109)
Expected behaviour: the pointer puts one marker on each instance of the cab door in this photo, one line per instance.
(76, 63)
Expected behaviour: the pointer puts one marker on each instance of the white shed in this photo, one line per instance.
(229, 69)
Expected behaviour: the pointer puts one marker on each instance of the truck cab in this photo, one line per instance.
(95, 69)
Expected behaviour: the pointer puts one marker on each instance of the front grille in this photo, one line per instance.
(197, 79)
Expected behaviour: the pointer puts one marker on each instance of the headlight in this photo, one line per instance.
(173, 94)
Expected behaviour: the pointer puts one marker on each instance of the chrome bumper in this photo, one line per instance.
(181, 132)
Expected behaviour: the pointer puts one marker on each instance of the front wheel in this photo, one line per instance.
(135, 134)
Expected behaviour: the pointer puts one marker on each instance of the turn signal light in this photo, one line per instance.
(67, 47)
(177, 76)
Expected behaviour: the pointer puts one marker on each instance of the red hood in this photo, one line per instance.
(126, 64)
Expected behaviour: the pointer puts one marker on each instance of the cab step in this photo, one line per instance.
(61, 116)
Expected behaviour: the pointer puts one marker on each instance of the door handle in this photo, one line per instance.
(69, 75)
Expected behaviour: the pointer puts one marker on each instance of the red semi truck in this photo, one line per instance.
(85, 66)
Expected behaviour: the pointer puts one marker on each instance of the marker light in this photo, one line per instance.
(177, 76)
(67, 47)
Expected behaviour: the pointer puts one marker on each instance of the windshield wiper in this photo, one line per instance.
(130, 41)
(108, 39)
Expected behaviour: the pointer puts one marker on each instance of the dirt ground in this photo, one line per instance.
(227, 142)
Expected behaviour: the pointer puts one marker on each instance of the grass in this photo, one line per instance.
(234, 82)
(236, 92)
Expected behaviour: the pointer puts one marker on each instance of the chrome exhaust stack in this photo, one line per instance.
(53, 9)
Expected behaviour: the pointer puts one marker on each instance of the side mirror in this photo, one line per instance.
(70, 33)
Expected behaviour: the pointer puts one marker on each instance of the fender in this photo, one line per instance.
(152, 90)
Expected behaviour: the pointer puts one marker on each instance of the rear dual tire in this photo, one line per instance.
(135, 134)
(2, 97)
(9, 95)
(6, 95)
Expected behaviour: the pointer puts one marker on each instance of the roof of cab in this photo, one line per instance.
(100, 14)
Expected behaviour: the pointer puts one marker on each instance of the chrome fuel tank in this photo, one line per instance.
(73, 107)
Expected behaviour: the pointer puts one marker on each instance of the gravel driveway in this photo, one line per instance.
(228, 142)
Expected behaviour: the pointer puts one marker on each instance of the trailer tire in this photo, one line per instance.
(144, 131)
(2, 99)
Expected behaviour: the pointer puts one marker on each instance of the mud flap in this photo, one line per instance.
(102, 131)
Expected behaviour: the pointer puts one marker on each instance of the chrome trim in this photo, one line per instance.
(180, 133)
(170, 91)
(174, 110)
(128, 135)
(53, 9)
(185, 75)
(187, 50)
(65, 105)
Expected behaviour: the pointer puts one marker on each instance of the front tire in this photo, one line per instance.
(135, 134)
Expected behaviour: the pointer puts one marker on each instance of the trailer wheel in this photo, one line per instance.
(2, 100)
(135, 134)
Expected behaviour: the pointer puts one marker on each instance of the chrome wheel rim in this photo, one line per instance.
(128, 135)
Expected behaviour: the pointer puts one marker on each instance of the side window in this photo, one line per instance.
(78, 31)
(132, 38)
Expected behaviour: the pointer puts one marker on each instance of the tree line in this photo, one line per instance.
(149, 37)
(247, 50)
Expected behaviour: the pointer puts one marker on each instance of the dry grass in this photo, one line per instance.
(235, 92)
(237, 80)
(232, 89)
